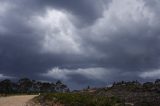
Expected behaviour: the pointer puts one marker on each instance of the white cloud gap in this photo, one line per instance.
(5, 77)
(59, 33)
(151, 74)
(91, 73)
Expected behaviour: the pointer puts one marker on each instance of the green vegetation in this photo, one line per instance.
(119, 94)
(77, 99)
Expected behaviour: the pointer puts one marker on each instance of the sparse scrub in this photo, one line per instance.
(77, 99)
(120, 94)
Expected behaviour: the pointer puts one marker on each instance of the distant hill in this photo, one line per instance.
(119, 94)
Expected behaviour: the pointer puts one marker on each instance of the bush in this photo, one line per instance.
(78, 99)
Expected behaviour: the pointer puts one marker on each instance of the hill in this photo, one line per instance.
(119, 94)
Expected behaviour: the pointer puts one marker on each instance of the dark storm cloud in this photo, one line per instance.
(87, 11)
(36, 36)
(138, 52)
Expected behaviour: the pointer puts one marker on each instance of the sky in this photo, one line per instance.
(81, 42)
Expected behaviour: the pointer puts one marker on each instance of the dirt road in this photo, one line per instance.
(16, 100)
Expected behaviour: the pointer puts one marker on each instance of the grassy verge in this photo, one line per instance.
(77, 99)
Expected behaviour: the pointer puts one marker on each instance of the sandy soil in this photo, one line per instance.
(16, 100)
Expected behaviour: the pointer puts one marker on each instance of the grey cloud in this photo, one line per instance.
(85, 10)
(109, 35)
(132, 46)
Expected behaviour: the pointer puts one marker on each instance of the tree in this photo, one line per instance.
(148, 85)
(25, 85)
(6, 86)
(45, 87)
(58, 82)
(157, 82)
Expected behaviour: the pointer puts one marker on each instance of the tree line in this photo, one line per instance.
(28, 86)
(137, 86)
